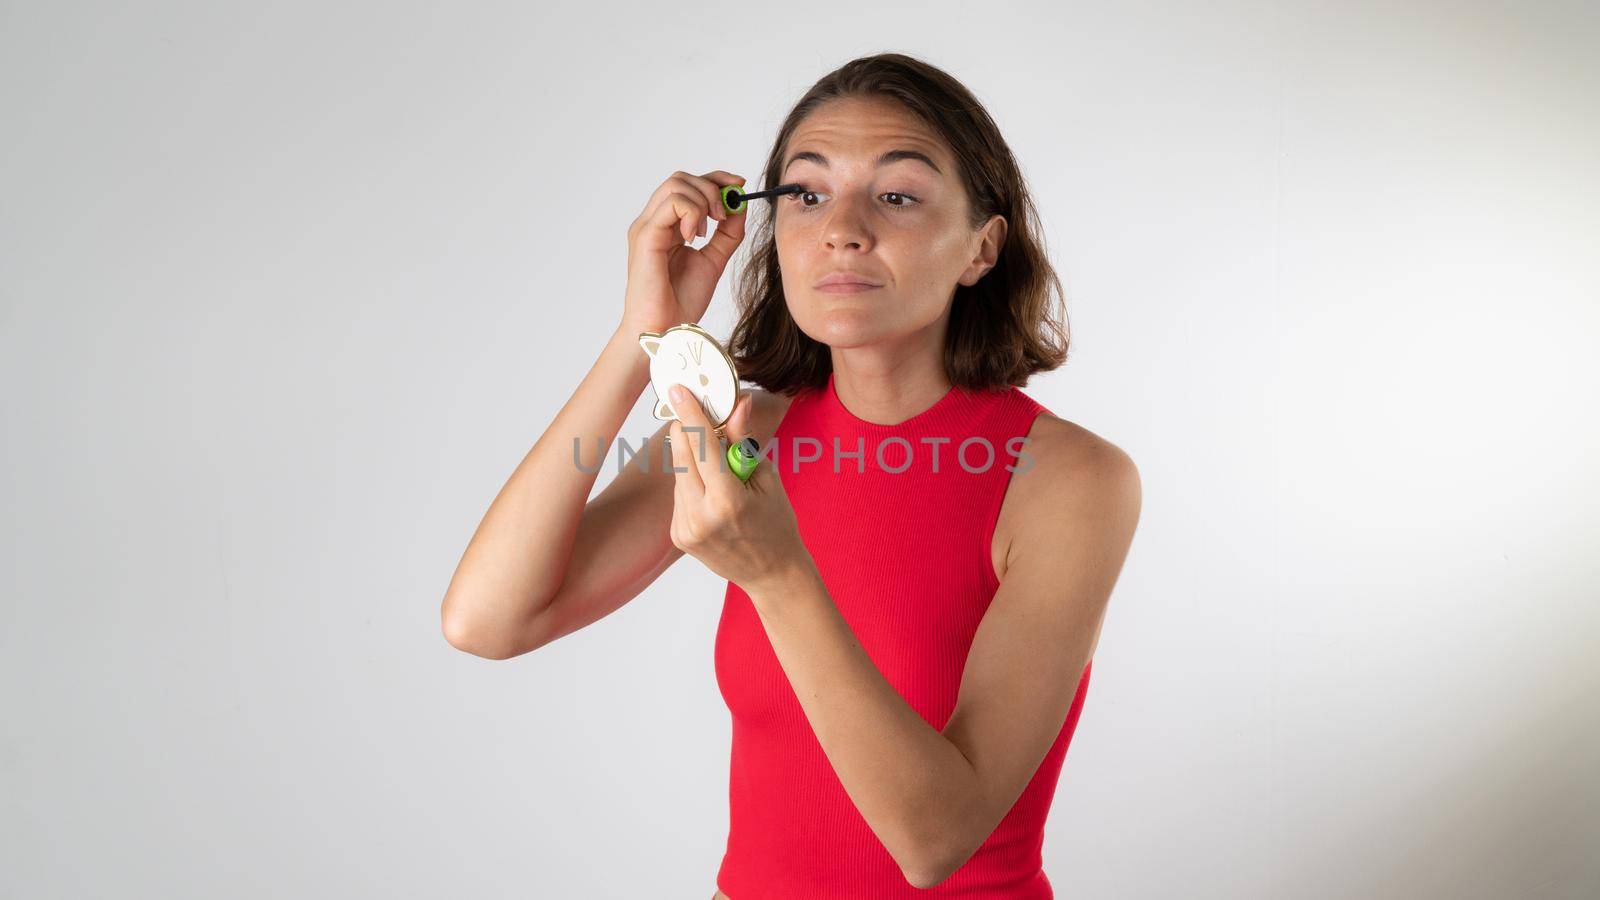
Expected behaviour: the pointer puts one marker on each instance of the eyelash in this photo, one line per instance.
(794, 199)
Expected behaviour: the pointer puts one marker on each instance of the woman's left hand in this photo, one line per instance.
(743, 531)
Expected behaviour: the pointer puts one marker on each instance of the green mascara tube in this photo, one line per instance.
(733, 199)
(743, 458)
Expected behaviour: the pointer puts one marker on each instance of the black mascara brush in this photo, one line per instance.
(733, 199)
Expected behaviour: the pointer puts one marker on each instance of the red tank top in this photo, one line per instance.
(900, 520)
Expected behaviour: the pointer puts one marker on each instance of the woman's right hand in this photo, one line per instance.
(669, 282)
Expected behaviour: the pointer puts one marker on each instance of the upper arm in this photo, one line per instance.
(1074, 524)
(624, 539)
(622, 544)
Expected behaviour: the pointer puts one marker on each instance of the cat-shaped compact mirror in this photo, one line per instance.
(688, 355)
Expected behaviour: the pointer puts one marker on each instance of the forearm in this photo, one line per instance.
(518, 556)
(911, 784)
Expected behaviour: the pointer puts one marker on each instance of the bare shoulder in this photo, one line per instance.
(1065, 474)
(1063, 449)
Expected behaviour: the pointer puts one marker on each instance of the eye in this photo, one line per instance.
(903, 199)
(794, 199)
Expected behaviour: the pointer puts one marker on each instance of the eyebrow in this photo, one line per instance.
(890, 156)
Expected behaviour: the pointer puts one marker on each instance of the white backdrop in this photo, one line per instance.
(287, 290)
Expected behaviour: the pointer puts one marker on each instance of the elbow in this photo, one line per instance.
(926, 876)
(463, 638)
(923, 864)
(940, 853)
(463, 635)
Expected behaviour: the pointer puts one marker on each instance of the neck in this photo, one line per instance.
(889, 381)
(886, 390)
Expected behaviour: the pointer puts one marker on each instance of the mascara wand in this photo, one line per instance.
(733, 199)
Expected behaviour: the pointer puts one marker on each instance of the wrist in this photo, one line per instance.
(632, 329)
(793, 578)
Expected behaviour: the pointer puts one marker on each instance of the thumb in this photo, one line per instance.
(736, 429)
(738, 425)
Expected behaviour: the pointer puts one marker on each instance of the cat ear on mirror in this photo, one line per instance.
(650, 342)
(663, 411)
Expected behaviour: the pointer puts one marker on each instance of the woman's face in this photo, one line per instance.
(902, 224)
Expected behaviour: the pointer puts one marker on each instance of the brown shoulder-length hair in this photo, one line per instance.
(1003, 329)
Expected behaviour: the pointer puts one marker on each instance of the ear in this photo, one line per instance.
(992, 239)
(650, 342)
(663, 411)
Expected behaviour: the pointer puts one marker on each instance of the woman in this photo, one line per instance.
(906, 640)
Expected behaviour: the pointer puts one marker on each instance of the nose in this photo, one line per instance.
(846, 226)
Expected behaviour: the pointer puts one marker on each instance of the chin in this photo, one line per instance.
(849, 326)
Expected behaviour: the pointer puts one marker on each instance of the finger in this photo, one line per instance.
(686, 475)
(737, 428)
(738, 425)
(707, 187)
(704, 187)
(730, 232)
(692, 415)
(711, 184)
(647, 212)
(680, 209)
(704, 192)
(765, 478)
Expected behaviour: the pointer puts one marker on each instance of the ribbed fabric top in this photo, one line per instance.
(905, 556)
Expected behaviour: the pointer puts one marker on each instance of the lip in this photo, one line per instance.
(845, 283)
